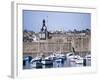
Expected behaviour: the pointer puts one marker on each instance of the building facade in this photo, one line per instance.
(62, 43)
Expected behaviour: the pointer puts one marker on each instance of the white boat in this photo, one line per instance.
(88, 57)
(70, 57)
(59, 55)
(47, 62)
(73, 58)
(79, 61)
(76, 58)
(33, 64)
(43, 62)
(69, 54)
(52, 56)
(88, 60)
(36, 59)
(58, 60)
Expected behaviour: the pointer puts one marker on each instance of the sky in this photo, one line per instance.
(62, 21)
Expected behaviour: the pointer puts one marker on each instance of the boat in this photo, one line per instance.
(47, 61)
(36, 62)
(88, 57)
(76, 58)
(69, 54)
(26, 59)
(79, 61)
(88, 60)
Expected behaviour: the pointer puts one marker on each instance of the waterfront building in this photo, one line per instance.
(47, 43)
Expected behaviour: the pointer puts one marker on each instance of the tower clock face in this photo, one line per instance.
(44, 28)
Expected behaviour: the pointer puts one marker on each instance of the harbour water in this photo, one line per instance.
(58, 64)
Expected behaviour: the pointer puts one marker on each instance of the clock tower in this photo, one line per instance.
(43, 32)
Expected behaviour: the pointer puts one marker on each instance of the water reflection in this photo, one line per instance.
(56, 64)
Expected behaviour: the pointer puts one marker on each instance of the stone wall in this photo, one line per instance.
(63, 44)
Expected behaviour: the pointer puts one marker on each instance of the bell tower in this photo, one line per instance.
(44, 32)
(44, 28)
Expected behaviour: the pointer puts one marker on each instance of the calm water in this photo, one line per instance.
(66, 63)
